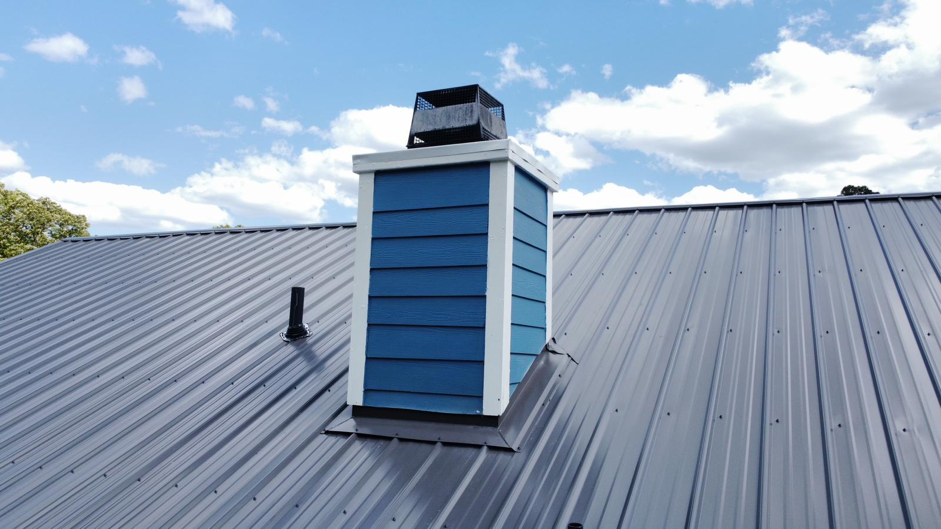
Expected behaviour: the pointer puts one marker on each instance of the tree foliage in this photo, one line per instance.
(852, 190)
(27, 223)
(226, 226)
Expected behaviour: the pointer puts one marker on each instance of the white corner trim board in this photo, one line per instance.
(481, 151)
(357, 371)
(549, 249)
(499, 288)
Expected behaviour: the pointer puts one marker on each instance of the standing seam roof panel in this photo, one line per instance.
(803, 394)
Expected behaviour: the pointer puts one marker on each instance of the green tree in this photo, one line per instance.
(226, 226)
(27, 223)
(851, 190)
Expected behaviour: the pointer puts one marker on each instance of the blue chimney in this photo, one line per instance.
(452, 295)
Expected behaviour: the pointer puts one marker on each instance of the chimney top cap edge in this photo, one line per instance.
(482, 151)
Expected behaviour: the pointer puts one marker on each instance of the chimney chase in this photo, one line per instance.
(452, 295)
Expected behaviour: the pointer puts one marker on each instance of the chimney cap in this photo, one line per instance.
(460, 114)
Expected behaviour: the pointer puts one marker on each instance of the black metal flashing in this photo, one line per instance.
(504, 432)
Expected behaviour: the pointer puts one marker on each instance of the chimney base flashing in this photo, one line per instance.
(551, 369)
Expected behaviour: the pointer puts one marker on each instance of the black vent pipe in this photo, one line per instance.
(297, 329)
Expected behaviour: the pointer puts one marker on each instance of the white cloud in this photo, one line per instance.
(566, 69)
(512, 71)
(233, 130)
(111, 206)
(245, 102)
(132, 164)
(271, 34)
(137, 56)
(5, 58)
(10, 160)
(809, 122)
(278, 184)
(612, 195)
(279, 126)
(609, 196)
(282, 148)
(272, 104)
(205, 15)
(720, 3)
(378, 129)
(131, 89)
(563, 154)
(607, 70)
(797, 26)
(296, 187)
(63, 48)
(712, 195)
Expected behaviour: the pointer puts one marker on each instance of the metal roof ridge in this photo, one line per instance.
(332, 225)
(811, 200)
(207, 231)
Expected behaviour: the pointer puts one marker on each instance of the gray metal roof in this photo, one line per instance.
(771, 364)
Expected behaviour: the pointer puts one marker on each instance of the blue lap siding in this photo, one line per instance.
(530, 243)
(427, 288)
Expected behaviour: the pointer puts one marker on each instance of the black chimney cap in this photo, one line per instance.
(456, 115)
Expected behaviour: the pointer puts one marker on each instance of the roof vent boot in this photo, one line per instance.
(456, 115)
(451, 303)
(297, 329)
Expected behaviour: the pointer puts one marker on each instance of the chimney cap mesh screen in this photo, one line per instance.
(452, 126)
(458, 96)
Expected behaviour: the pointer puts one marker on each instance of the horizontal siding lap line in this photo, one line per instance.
(543, 222)
(528, 326)
(433, 208)
(515, 238)
(430, 311)
(444, 377)
(439, 236)
(423, 401)
(460, 185)
(429, 393)
(410, 326)
(529, 257)
(430, 222)
(449, 267)
(529, 195)
(529, 231)
(528, 312)
(529, 285)
(425, 342)
(421, 252)
(431, 296)
(430, 281)
(527, 298)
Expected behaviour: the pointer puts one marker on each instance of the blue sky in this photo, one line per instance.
(180, 114)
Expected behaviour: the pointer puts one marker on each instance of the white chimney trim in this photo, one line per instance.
(363, 249)
(499, 288)
(481, 151)
(549, 250)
